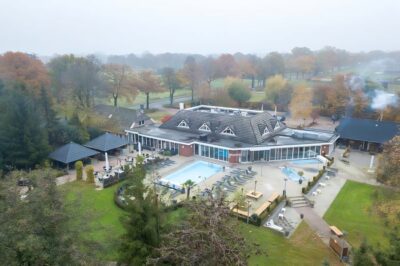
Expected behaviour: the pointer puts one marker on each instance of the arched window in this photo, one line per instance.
(183, 124)
(205, 127)
(228, 131)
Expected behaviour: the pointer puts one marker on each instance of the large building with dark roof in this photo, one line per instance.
(233, 135)
(366, 134)
(122, 118)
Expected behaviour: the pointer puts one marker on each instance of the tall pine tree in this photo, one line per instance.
(23, 136)
(141, 222)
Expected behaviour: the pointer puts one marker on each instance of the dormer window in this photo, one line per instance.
(228, 131)
(266, 131)
(183, 124)
(205, 127)
(277, 125)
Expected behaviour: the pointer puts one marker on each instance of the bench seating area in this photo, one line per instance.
(336, 231)
(273, 197)
(262, 208)
(240, 212)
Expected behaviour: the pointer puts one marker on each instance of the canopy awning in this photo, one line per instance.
(71, 152)
(107, 142)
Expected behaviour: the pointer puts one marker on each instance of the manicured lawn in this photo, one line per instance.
(303, 248)
(257, 96)
(97, 211)
(219, 83)
(353, 211)
(141, 98)
(100, 217)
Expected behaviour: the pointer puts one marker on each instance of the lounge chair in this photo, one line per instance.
(239, 180)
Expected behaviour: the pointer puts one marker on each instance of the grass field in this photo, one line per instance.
(141, 98)
(100, 217)
(96, 209)
(303, 248)
(353, 212)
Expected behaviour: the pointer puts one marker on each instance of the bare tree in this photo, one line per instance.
(206, 238)
(119, 81)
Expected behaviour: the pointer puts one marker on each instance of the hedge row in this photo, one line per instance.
(314, 180)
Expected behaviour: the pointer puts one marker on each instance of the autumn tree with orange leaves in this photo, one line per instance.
(388, 171)
(25, 72)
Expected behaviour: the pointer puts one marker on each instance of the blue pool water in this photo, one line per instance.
(197, 172)
(306, 161)
(291, 174)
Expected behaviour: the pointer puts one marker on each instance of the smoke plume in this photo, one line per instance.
(384, 99)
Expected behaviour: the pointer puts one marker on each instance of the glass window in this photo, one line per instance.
(301, 152)
(307, 152)
(318, 150)
(272, 155)
(289, 153)
(205, 127)
(183, 124)
(228, 131)
(284, 152)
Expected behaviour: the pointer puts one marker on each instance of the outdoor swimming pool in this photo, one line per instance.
(197, 172)
(291, 173)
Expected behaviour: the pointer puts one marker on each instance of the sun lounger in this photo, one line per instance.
(238, 180)
(322, 184)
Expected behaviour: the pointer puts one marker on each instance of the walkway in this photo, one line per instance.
(316, 223)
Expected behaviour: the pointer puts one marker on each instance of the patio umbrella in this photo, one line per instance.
(140, 148)
(107, 162)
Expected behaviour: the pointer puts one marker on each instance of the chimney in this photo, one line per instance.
(181, 106)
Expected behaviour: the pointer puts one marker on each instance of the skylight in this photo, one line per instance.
(228, 131)
(183, 124)
(205, 127)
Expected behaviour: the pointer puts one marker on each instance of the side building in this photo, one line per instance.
(233, 135)
(366, 134)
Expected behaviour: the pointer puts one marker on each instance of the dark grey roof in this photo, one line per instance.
(123, 117)
(71, 152)
(107, 142)
(248, 129)
(367, 130)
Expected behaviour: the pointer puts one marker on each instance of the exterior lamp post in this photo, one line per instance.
(248, 210)
(284, 190)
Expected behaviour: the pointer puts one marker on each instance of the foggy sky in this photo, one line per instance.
(196, 26)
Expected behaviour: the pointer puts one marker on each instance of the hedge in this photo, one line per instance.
(89, 173)
(79, 170)
(314, 180)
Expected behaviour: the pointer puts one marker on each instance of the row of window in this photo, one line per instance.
(206, 128)
(227, 131)
(211, 152)
(281, 154)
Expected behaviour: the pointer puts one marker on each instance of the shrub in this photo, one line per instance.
(89, 173)
(303, 190)
(79, 170)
